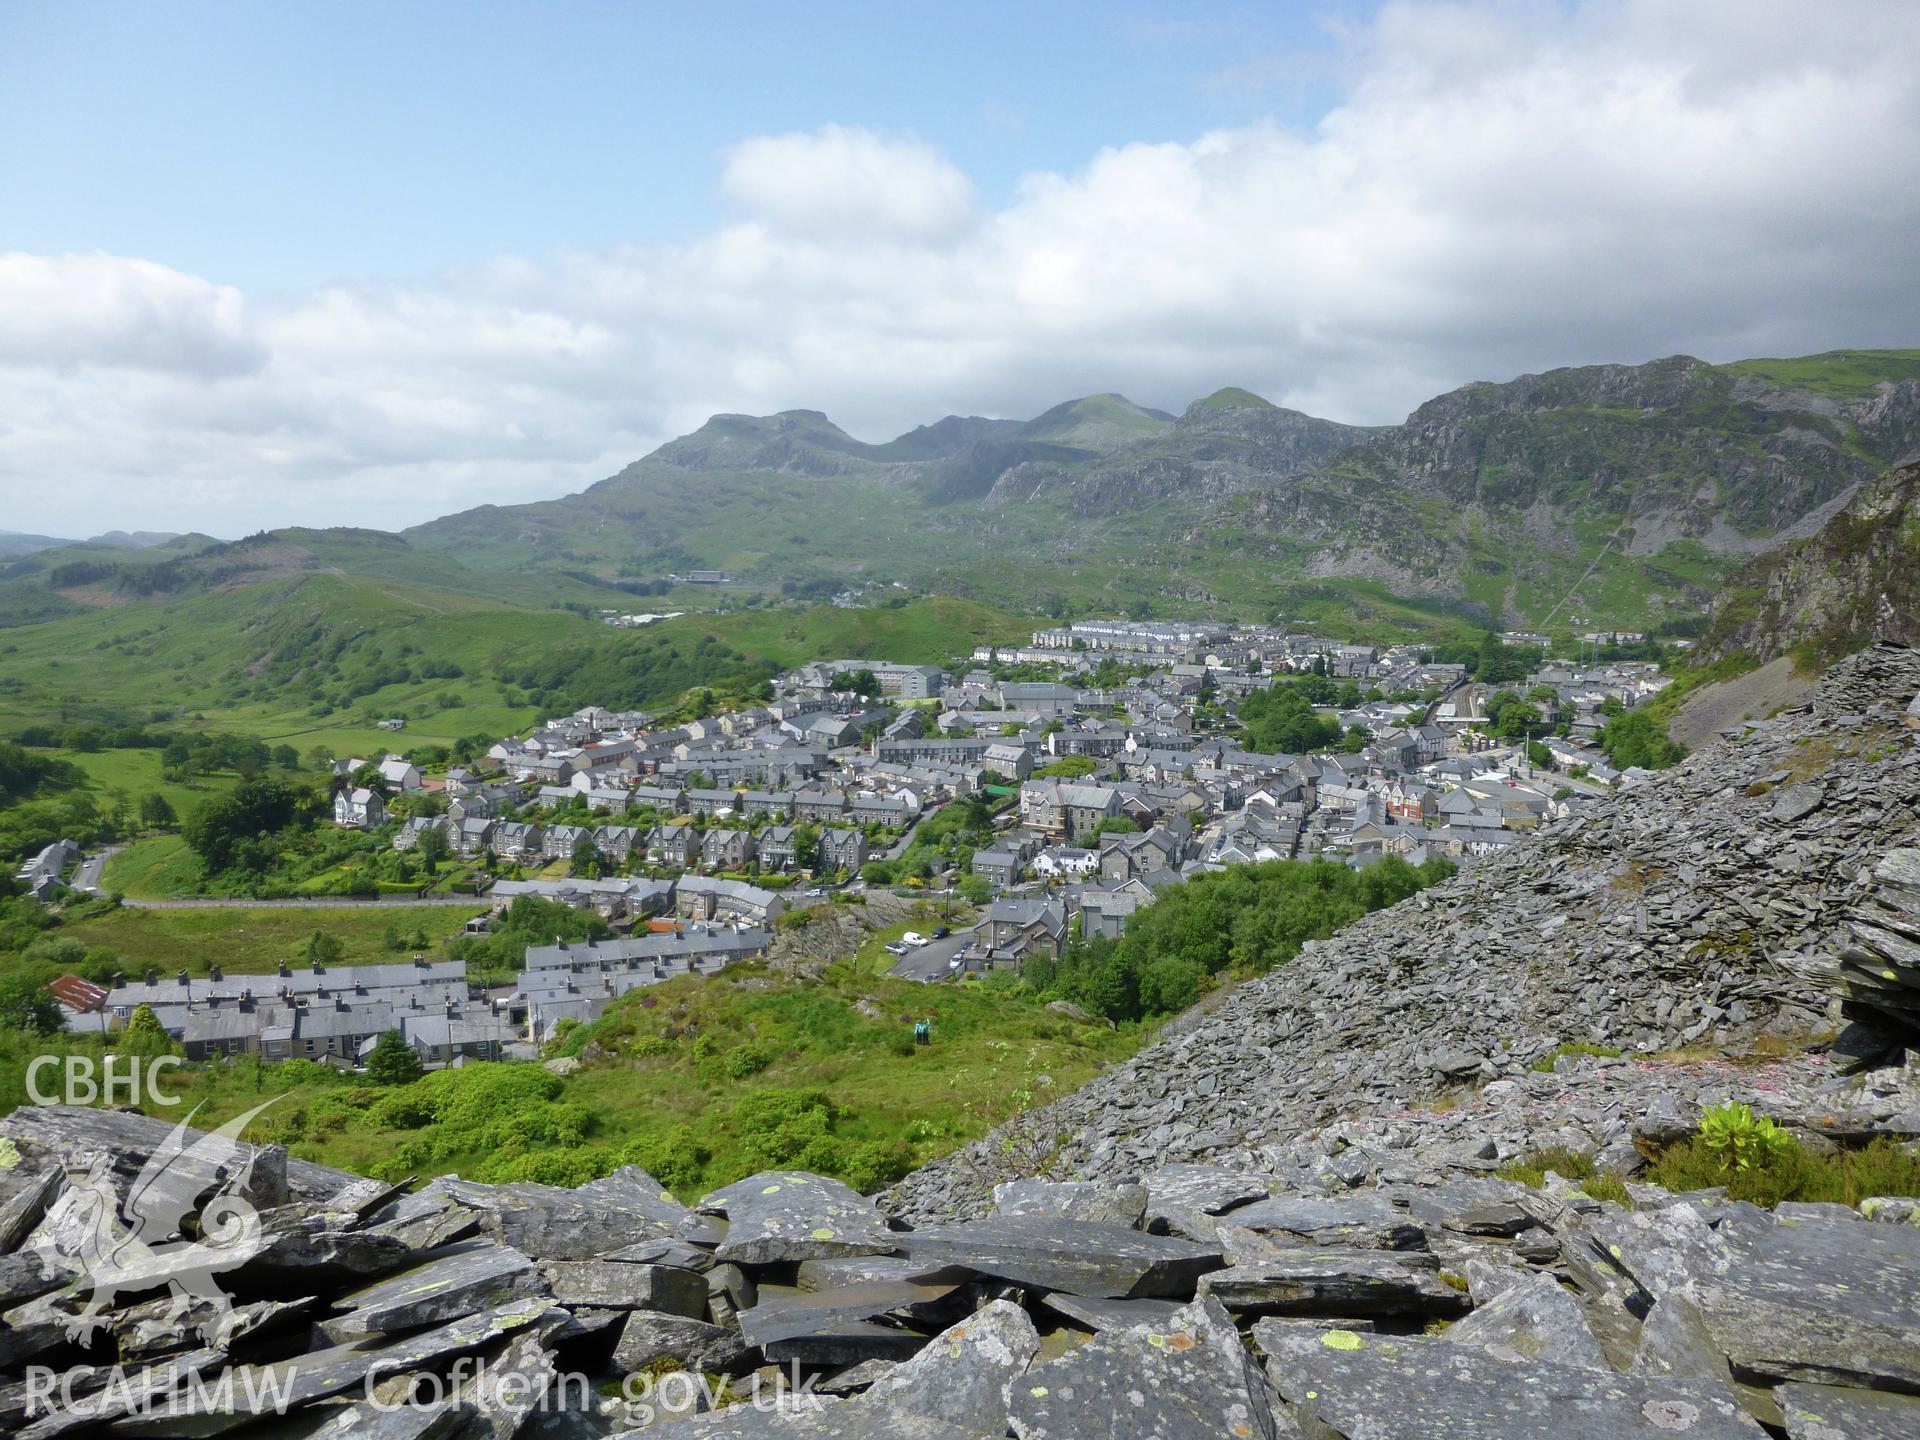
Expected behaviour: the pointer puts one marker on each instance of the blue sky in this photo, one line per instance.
(281, 145)
(266, 264)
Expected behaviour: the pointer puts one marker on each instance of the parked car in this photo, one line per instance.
(913, 938)
(894, 947)
(940, 932)
(815, 893)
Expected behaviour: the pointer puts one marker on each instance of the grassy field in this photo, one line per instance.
(134, 773)
(246, 941)
(704, 1081)
(1843, 374)
(157, 867)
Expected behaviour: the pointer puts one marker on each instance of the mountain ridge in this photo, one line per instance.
(1627, 490)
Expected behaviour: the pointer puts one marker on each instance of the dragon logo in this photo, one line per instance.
(115, 1247)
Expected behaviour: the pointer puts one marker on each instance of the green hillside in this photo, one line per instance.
(1842, 374)
(1602, 495)
(319, 657)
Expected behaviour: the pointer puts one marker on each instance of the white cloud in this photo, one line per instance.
(1502, 189)
(841, 181)
(100, 310)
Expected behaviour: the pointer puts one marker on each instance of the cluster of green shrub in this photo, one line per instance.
(946, 839)
(42, 799)
(1752, 1157)
(568, 676)
(1281, 719)
(1633, 737)
(1248, 918)
(529, 920)
(1759, 1161)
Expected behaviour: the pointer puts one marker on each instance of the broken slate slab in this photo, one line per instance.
(516, 1384)
(822, 1418)
(1815, 1301)
(320, 1374)
(428, 1420)
(965, 1374)
(866, 1269)
(1107, 1261)
(615, 1285)
(1827, 1412)
(1411, 1388)
(48, 1134)
(1796, 802)
(1315, 1280)
(634, 1188)
(708, 1349)
(463, 1278)
(549, 1223)
(1355, 1222)
(677, 1253)
(26, 1200)
(843, 1342)
(1191, 1377)
(1478, 1207)
(781, 1215)
(729, 1291)
(784, 1315)
(1674, 1340)
(855, 1378)
(1183, 1198)
(1094, 1313)
(1123, 1205)
(1532, 1320)
(308, 1249)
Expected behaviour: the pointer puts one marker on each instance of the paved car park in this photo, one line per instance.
(929, 962)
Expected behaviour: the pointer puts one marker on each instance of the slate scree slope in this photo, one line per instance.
(1280, 1220)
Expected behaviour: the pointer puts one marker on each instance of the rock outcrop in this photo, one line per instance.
(1857, 578)
(1348, 1286)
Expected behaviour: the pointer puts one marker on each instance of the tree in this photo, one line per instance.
(155, 811)
(144, 1034)
(286, 757)
(227, 831)
(432, 847)
(368, 776)
(587, 862)
(1539, 756)
(392, 1061)
(1516, 720)
(806, 846)
(26, 1005)
(1356, 739)
(320, 948)
(1634, 738)
(1117, 825)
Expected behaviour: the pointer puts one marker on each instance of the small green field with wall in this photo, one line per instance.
(245, 940)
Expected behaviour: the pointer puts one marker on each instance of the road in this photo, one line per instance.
(317, 902)
(929, 962)
(87, 877)
(899, 847)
